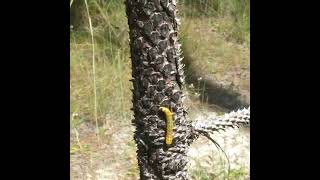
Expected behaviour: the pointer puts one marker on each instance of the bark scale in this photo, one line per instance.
(157, 76)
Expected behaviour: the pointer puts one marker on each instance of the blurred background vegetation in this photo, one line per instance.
(215, 36)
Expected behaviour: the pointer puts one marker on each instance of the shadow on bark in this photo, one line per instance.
(213, 93)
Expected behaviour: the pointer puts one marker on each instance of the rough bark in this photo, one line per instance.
(157, 81)
(157, 77)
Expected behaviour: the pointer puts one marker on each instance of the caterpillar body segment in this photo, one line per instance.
(169, 124)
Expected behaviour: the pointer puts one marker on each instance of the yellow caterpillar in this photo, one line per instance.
(169, 119)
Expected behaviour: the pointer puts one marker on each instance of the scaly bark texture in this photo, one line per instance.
(157, 81)
(157, 76)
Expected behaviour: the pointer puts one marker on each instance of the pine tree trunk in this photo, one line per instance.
(157, 82)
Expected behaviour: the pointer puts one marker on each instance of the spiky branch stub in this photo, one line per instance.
(157, 77)
(229, 120)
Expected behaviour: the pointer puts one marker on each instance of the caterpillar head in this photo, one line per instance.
(166, 110)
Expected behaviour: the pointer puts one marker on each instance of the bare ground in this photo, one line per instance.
(112, 157)
(207, 157)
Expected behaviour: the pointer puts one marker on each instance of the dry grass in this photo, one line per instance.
(210, 53)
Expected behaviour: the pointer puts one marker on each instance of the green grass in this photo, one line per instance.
(210, 52)
(112, 64)
(112, 81)
(232, 17)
